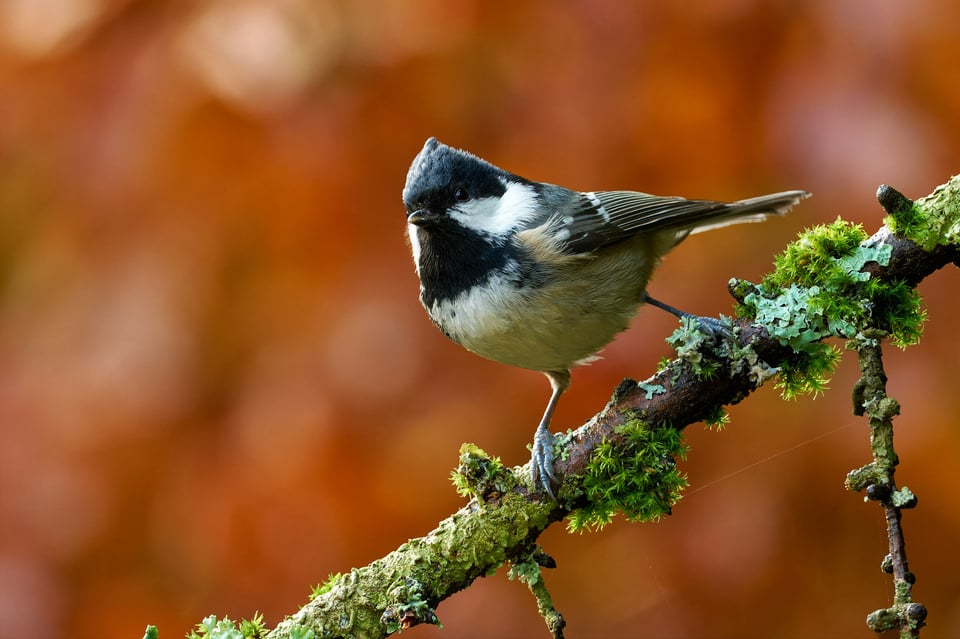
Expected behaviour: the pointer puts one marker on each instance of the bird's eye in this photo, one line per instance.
(461, 194)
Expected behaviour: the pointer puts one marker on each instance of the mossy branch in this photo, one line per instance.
(833, 282)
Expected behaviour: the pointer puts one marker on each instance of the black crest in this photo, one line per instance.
(439, 170)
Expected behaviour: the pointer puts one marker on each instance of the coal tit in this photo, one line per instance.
(538, 276)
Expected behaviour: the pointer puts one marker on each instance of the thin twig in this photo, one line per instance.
(877, 480)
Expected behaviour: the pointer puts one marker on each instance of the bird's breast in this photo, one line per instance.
(549, 322)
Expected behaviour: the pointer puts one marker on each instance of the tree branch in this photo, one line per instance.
(506, 516)
(876, 479)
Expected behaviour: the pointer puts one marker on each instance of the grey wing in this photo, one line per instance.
(600, 218)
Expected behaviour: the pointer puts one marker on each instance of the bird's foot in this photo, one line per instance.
(541, 461)
(710, 326)
(713, 328)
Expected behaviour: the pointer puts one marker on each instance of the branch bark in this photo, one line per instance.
(506, 518)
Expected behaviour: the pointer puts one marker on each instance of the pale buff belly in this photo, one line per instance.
(554, 327)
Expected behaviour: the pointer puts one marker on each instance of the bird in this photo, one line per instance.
(539, 276)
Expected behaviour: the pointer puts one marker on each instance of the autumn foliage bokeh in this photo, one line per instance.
(217, 385)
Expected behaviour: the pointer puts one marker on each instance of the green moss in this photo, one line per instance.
(810, 372)
(213, 628)
(479, 475)
(253, 628)
(932, 220)
(905, 217)
(638, 477)
(325, 587)
(897, 309)
(739, 289)
(810, 260)
(819, 290)
(718, 419)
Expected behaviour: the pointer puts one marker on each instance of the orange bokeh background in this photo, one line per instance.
(217, 385)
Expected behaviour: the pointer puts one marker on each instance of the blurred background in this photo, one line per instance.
(217, 385)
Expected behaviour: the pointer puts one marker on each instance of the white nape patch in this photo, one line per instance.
(598, 205)
(498, 216)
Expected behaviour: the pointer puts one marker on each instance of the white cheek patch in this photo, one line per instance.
(498, 216)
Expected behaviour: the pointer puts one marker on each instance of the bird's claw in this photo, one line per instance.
(709, 326)
(541, 462)
(713, 328)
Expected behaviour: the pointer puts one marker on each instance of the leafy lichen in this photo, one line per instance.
(689, 341)
(528, 570)
(903, 498)
(819, 289)
(650, 390)
(410, 607)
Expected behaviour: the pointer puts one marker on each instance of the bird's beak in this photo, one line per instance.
(423, 217)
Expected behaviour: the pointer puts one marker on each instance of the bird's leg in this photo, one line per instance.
(541, 462)
(709, 325)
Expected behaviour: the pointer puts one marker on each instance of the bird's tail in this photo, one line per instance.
(754, 209)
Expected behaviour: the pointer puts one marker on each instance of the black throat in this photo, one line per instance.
(454, 259)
